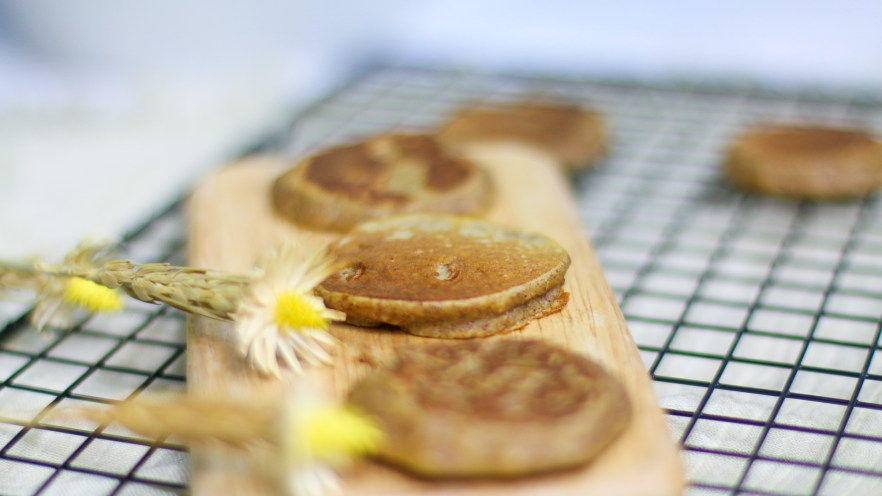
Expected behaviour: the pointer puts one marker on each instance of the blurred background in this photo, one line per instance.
(109, 110)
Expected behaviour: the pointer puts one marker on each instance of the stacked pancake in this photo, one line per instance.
(444, 276)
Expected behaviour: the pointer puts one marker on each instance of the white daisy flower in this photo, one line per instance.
(280, 319)
(297, 443)
(61, 297)
(320, 438)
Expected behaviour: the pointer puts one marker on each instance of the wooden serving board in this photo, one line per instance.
(232, 224)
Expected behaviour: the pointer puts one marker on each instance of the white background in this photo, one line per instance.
(110, 109)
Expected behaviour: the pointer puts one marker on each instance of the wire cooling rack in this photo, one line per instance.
(104, 359)
(758, 319)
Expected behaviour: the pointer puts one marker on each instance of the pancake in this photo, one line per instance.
(492, 408)
(574, 136)
(445, 276)
(382, 176)
(806, 162)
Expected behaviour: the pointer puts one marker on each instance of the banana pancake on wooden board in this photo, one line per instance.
(809, 162)
(445, 276)
(381, 176)
(492, 408)
(575, 137)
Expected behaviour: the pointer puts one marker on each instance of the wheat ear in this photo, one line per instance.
(194, 290)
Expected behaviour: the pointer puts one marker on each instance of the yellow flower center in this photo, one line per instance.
(294, 312)
(332, 431)
(92, 296)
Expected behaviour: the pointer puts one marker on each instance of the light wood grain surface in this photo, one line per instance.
(232, 224)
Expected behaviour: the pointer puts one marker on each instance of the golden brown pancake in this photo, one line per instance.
(809, 162)
(575, 137)
(492, 408)
(445, 276)
(382, 176)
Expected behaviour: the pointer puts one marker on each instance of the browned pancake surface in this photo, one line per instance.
(388, 168)
(572, 135)
(440, 259)
(350, 171)
(384, 175)
(520, 380)
(805, 141)
(498, 407)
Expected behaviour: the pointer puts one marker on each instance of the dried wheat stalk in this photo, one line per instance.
(194, 290)
(192, 419)
(19, 280)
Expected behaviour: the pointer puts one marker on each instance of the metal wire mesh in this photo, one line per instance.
(102, 359)
(758, 319)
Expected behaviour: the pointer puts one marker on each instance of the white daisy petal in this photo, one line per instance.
(331, 314)
(305, 348)
(330, 480)
(324, 337)
(268, 352)
(48, 310)
(313, 280)
(312, 479)
(317, 261)
(290, 357)
(250, 329)
(316, 348)
(257, 353)
(296, 278)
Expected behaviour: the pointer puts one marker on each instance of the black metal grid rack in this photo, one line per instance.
(103, 359)
(758, 319)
